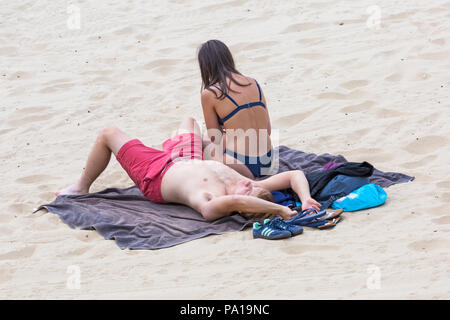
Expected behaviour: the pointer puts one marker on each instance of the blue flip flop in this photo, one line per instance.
(307, 216)
(313, 219)
(315, 223)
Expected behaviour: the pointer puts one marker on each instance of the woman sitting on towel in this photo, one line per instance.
(235, 113)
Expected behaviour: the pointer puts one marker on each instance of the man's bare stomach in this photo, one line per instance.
(195, 182)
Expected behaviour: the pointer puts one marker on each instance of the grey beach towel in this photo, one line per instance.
(134, 222)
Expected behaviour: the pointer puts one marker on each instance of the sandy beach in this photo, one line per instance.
(367, 80)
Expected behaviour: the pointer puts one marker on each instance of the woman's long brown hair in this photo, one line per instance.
(216, 66)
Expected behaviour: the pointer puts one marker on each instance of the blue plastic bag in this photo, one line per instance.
(368, 196)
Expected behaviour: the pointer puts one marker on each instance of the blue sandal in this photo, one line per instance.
(313, 219)
(306, 216)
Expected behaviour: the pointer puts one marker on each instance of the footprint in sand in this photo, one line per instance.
(445, 197)
(353, 84)
(9, 51)
(145, 36)
(187, 89)
(6, 275)
(208, 8)
(18, 253)
(37, 109)
(30, 119)
(443, 184)
(298, 249)
(376, 155)
(260, 44)
(165, 51)
(356, 94)
(401, 16)
(394, 77)
(429, 245)
(440, 41)
(33, 114)
(58, 87)
(440, 55)
(47, 196)
(162, 66)
(153, 84)
(309, 42)
(77, 252)
(3, 131)
(325, 139)
(290, 120)
(98, 96)
(359, 133)
(383, 113)
(419, 163)
(262, 58)
(360, 107)
(442, 220)
(88, 236)
(19, 208)
(46, 223)
(96, 73)
(56, 81)
(427, 144)
(20, 75)
(299, 27)
(40, 46)
(36, 178)
(5, 218)
(124, 31)
(420, 76)
(310, 56)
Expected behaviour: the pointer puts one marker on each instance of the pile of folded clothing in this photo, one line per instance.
(343, 187)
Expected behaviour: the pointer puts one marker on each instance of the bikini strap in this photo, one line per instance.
(259, 90)
(231, 99)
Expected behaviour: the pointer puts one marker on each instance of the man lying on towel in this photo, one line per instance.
(179, 174)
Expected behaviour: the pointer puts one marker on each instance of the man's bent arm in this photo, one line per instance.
(223, 206)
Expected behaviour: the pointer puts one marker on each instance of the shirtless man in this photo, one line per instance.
(179, 174)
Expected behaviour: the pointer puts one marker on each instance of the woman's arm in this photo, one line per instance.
(210, 115)
(294, 179)
(269, 126)
(213, 140)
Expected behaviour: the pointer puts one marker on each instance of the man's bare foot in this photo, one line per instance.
(74, 189)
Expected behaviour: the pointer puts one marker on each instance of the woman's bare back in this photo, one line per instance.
(248, 130)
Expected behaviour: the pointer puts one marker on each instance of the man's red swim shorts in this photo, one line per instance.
(146, 166)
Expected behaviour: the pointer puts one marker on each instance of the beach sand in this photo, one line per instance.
(335, 80)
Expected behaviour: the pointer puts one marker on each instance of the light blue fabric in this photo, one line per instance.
(368, 196)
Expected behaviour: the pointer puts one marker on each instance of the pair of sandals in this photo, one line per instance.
(316, 219)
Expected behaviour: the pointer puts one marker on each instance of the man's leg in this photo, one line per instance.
(189, 125)
(109, 140)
